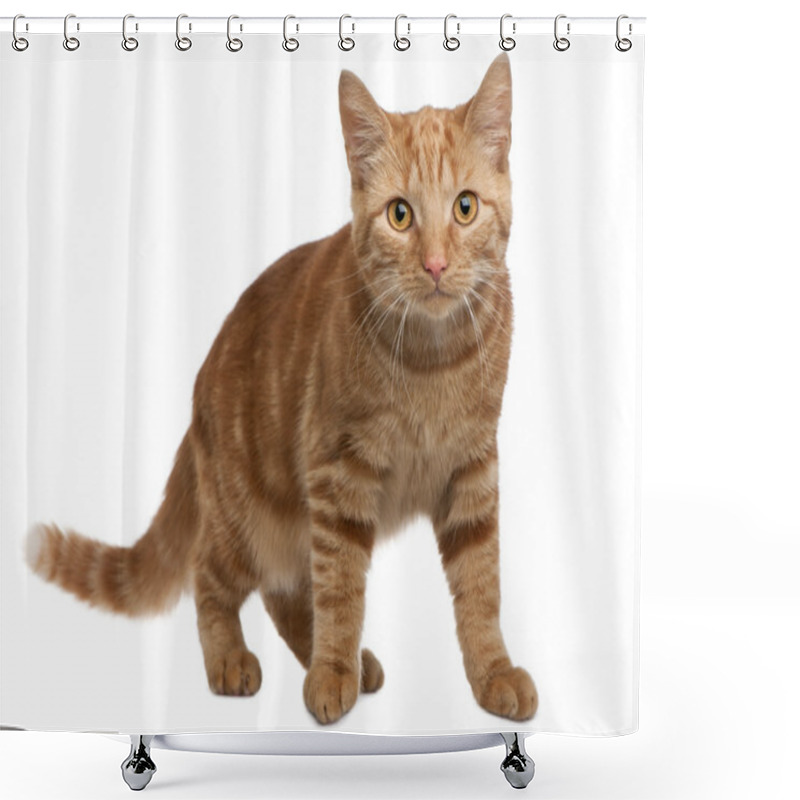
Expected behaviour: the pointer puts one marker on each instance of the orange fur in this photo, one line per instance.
(358, 382)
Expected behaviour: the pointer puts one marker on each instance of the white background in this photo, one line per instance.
(721, 453)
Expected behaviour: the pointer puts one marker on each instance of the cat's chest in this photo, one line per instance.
(422, 457)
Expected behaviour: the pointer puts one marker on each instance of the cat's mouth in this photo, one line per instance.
(437, 303)
(438, 298)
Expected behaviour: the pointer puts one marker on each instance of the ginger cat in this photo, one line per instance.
(357, 383)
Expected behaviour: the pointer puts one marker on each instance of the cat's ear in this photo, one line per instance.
(365, 126)
(489, 113)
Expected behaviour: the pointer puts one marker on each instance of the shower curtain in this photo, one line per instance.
(144, 188)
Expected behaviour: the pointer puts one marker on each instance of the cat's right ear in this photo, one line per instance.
(365, 126)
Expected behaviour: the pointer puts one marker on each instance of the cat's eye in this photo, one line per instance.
(399, 213)
(465, 208)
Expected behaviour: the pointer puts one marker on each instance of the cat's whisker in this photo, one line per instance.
(382, 278)
(491, 310)
(375, 330)
(363, 320)
(480, 344)
(487, 276)
(370, 328)
(397, 353)
(372, 305)
(345, 277)
(363, 288)
(377, 325)
(402, 365)
(484, 301)
(503, 291)
(393, 357)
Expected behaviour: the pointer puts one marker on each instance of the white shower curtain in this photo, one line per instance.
(141, 193)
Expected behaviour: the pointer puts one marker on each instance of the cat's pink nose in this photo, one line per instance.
(436, 265)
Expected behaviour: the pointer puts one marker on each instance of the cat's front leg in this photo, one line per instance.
(342, 499)
(466, 524)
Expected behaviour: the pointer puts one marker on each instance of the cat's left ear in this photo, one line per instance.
(489, 113)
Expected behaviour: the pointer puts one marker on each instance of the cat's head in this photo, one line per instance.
(431, 193)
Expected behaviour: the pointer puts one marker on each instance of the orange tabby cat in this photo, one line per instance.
(357, 383)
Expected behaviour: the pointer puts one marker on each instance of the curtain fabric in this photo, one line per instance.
(141, 193)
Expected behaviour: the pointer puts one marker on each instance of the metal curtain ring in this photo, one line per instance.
(561, 43)
(183, 43)
(506, 42)
(623, 45)
(70, 42)
(19, 43)
(345, 42)
(401, 42)
(289, 44)
(451, 42)
(234, 45)
(129, 43)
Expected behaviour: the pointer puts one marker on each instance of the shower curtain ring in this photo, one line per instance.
(451, 42)
(129, 43)
(561, 43)
(233, 44)
(345, 42)
(401, 42)
(507, 42)
(70, 42)
(18, 42)
(183, 43)
(290, 44)
(623, 45)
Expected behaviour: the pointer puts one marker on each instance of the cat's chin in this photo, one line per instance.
(437, 304)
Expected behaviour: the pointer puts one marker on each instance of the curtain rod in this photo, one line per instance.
(463, 26)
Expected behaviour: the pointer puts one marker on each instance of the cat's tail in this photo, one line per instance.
(144, 579)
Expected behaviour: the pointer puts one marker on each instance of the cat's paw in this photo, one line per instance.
(330, 692)
(371, 672)
(236, 673)
(510, 693)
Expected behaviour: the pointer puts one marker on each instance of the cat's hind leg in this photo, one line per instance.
(222, 582)
(293, 615)
(371, 672)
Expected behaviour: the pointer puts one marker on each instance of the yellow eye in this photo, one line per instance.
(399, 213)
(465, 208)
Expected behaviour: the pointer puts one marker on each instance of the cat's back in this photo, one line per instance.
(283, 302)
(293, 287)
(268, 338)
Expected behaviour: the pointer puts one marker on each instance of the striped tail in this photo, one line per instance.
(144, 579)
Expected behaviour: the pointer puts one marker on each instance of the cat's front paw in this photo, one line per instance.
(510, 693)
(330, 692)
(237, 673)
